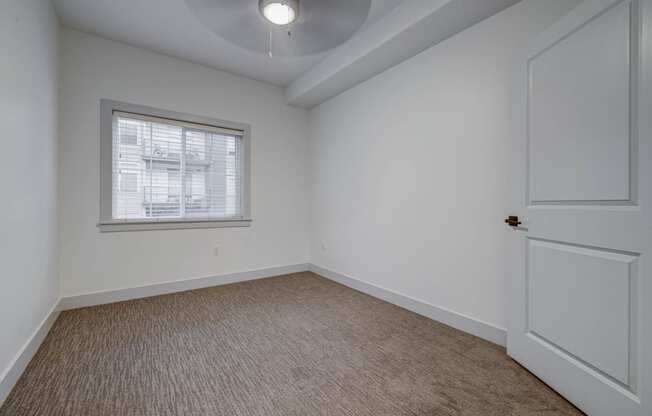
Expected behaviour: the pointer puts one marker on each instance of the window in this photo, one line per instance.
(163, 170)
(128, 182)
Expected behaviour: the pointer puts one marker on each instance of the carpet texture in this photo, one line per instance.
(289, 345)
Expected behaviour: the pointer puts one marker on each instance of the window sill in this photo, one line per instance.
(120, 226)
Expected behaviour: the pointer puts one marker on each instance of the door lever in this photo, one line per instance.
(512, 221)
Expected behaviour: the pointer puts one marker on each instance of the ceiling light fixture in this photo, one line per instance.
(280, 12)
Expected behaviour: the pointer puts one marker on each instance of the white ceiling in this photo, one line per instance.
(170, 27)
(410, 28)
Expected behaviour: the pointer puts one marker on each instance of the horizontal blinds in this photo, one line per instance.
(166, 169)
(179, 123)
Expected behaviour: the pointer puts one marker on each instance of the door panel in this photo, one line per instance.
(589, 290)
(581, 289)
(579, 114)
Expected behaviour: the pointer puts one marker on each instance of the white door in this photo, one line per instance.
(581, 261)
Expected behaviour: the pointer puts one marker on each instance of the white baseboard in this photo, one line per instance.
(12, 373)
(119, 295)
(464, 323)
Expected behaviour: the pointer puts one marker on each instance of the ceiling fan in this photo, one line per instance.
(284, 28)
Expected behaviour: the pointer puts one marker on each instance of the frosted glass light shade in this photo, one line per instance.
(280, 12)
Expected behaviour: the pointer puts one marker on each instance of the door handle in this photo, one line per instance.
(512, 221)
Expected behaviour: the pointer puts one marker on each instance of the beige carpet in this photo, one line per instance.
(291, 345)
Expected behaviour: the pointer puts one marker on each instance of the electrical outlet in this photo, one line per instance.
(216, 251)
(323, 246)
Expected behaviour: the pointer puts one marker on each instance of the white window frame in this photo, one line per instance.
(108, 224)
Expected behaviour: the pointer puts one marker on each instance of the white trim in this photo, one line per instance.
(137, 225)
(464, 323)
(12, 373)
(119, 295)
(456, 320)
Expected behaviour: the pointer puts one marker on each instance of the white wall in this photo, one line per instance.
(93, 68)
(29, 284)
(410, 170)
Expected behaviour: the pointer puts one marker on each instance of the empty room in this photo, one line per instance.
(326, 207)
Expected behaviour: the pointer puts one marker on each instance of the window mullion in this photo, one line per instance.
(182, 173)
(151, 170)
